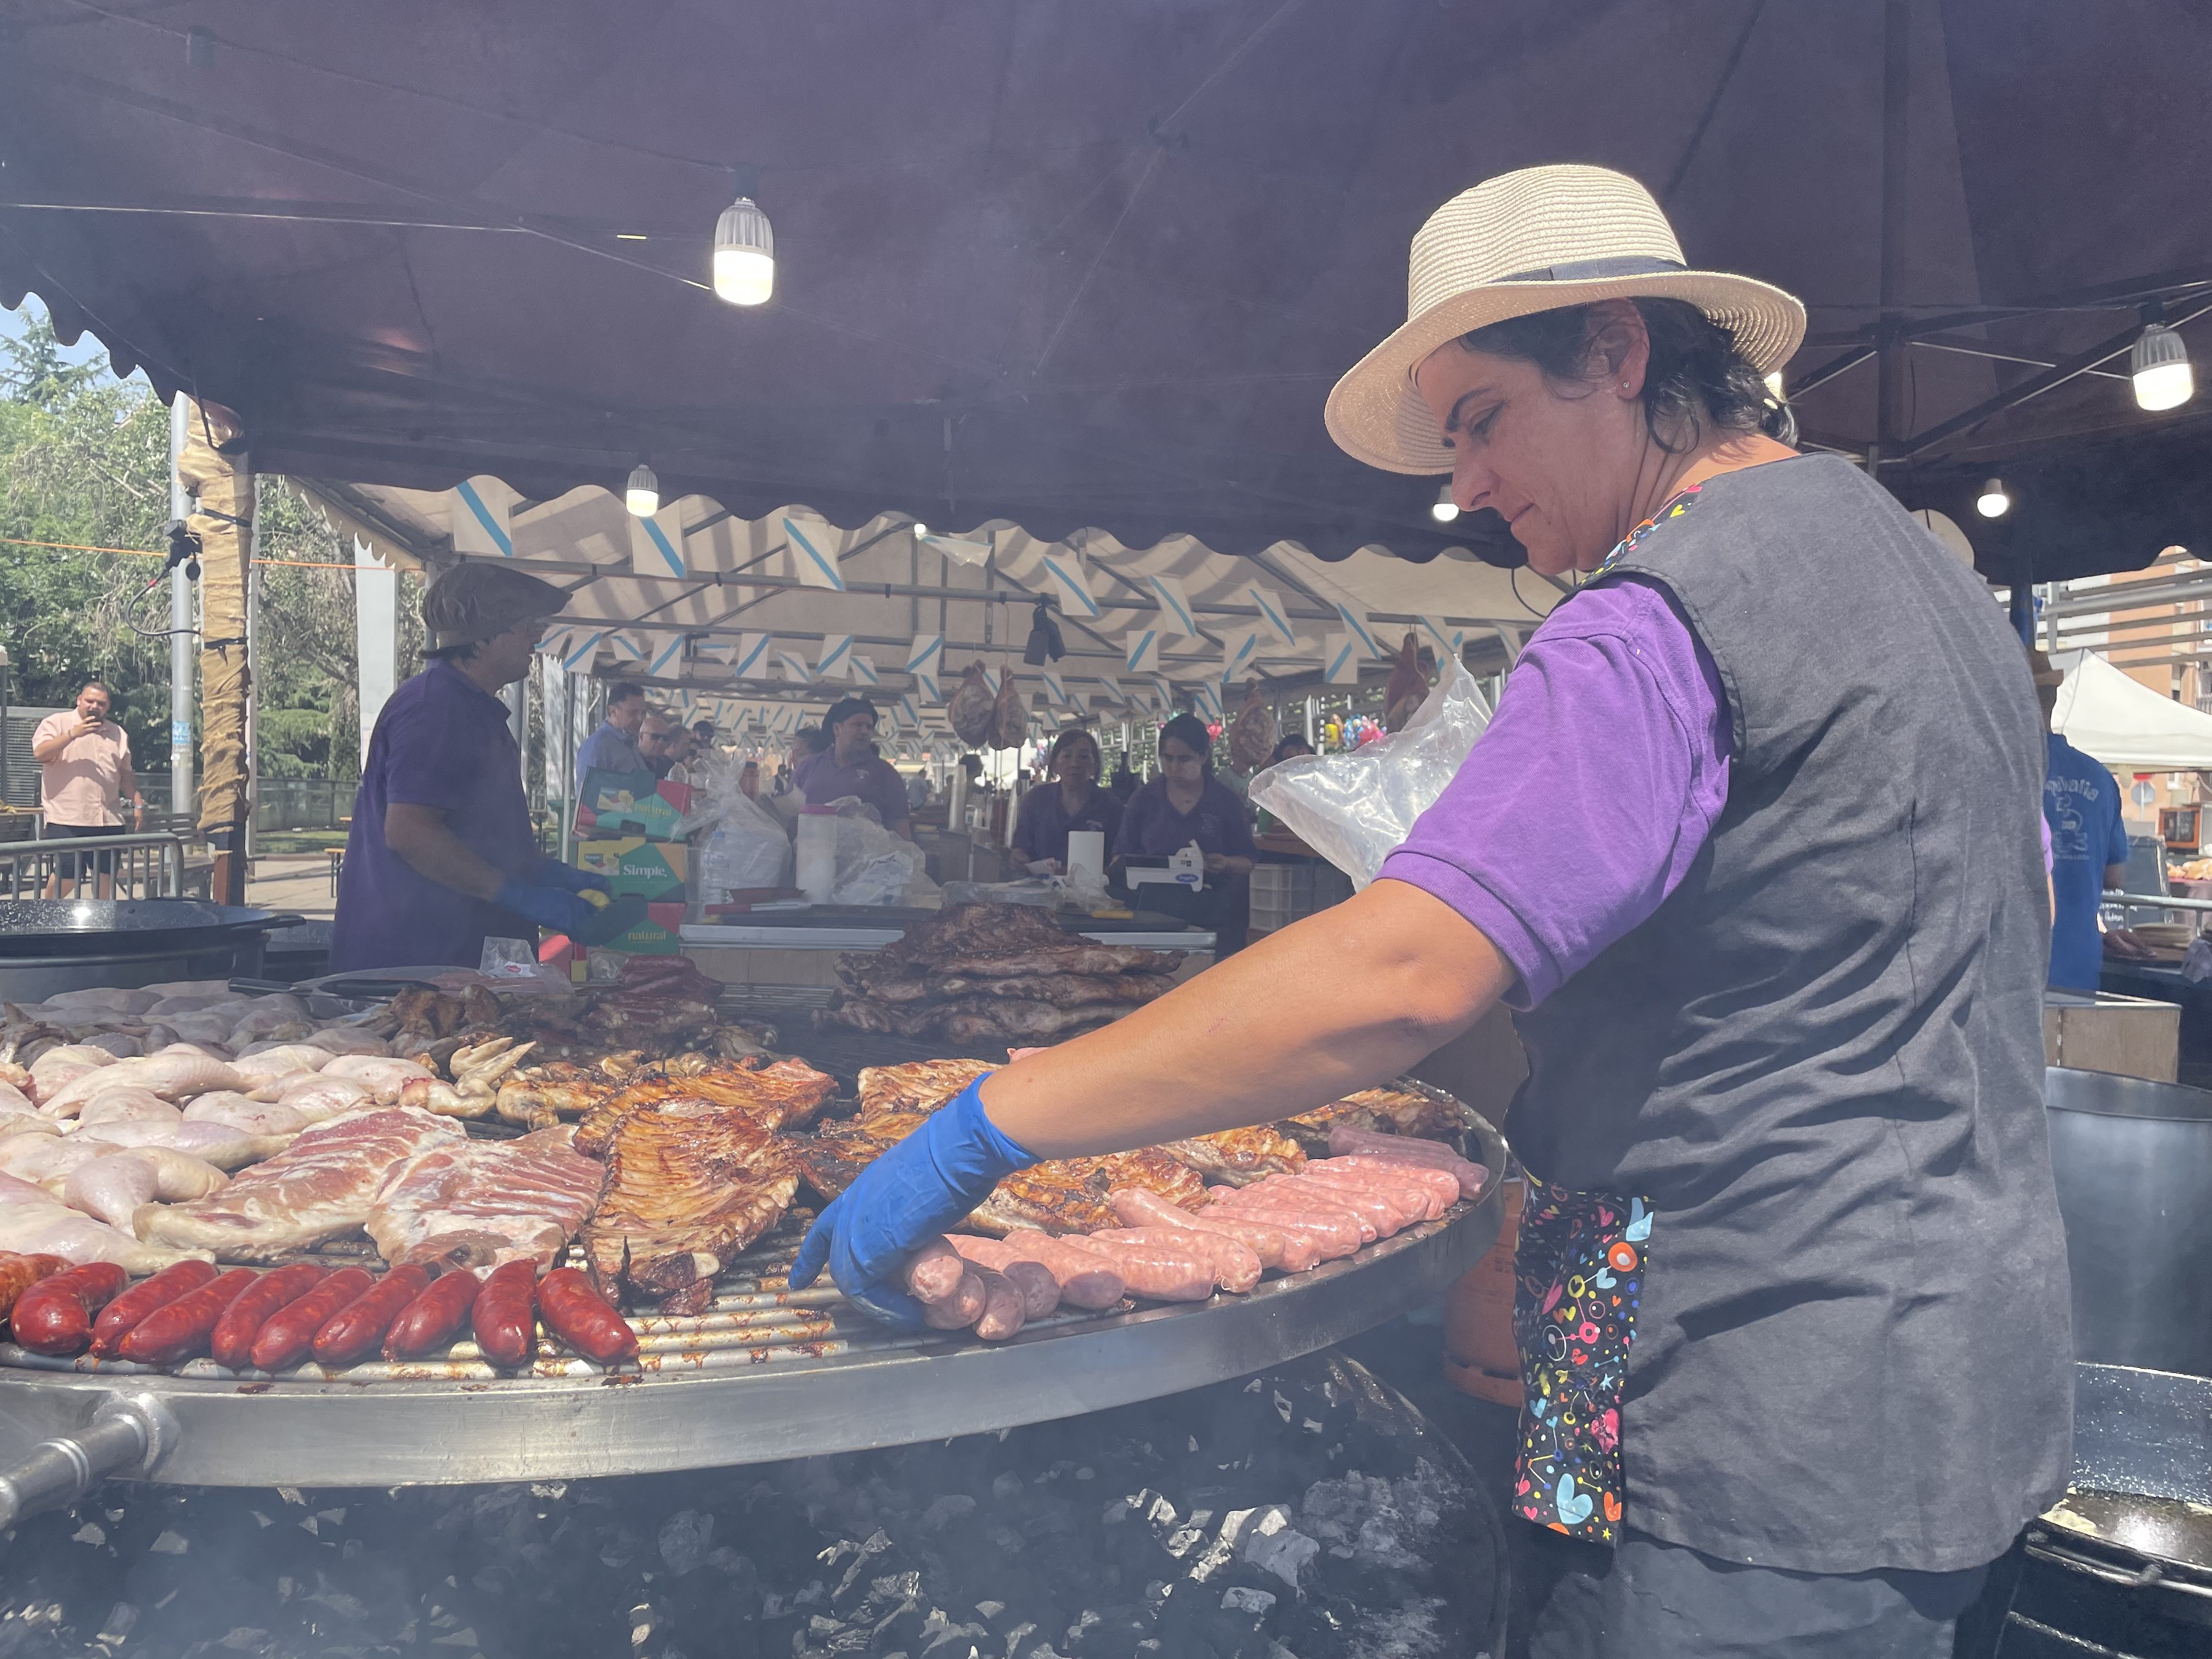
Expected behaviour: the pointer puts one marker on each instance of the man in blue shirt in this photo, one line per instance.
(2088, 847)
(613, 747)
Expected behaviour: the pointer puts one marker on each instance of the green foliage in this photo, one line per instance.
(84, 459)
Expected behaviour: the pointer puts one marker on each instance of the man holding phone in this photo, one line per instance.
(84, 775)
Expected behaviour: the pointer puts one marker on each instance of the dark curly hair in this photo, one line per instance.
(1697, 378)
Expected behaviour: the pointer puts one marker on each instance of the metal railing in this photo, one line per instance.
(102, 867)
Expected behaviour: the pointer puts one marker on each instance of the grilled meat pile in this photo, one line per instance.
(479, 1203)
(993, 973)
(785, 1090)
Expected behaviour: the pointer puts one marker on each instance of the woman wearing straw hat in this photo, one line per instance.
(1751, 848)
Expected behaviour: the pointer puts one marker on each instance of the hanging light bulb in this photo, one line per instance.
(1993, 502)
(2159, 362)
(745, 251)
(642, 495)
(1445, 509)
(921, 531)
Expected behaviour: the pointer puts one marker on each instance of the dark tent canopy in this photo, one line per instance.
(1075, 264)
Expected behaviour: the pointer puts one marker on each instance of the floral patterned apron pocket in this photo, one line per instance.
(1579, 1277)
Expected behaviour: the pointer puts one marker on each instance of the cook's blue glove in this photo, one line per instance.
(550, 908)
(909, 1195)
(551, 872)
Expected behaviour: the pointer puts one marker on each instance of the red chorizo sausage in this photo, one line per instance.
(505, 1314)
(353, 1332)
(177, 1331)
(584, 1320)
(116, 1319)
(18, 1272)
(432, 1319)
(1234, 1266)
(232, 1343)
(1086, 1278)
(54, 1316)
(286, 1335)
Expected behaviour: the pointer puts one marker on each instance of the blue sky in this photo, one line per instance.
(12, 324)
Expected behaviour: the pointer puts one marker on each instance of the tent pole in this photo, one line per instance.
(1896, 90)
(2023, 611)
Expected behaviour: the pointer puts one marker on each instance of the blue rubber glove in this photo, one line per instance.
(909, 1195)
(549, 907)
(551, 872)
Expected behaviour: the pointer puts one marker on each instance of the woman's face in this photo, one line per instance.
(1560, 466)
(1078, 764)
(1178, 763)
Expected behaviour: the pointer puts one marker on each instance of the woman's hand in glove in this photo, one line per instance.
(919, 1187)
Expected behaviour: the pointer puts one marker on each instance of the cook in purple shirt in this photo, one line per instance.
(850, 766)
(1072, 800)
(441, 855)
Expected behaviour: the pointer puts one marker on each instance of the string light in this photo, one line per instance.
(642, 496)
(2159, 363)
(1445, 509)
(1993, 502)
(744, 250)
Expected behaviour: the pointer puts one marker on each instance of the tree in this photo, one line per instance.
(84, 459)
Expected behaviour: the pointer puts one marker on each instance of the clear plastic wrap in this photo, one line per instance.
(1355, 809)
(750, 849)
(875, 866)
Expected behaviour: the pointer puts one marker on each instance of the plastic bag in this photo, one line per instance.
(875, 866)
(749, 848)
(1354, 810)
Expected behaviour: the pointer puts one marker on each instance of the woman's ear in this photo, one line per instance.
(1619, 348)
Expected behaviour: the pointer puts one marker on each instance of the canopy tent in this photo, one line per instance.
(1081, 268)
(744, 615)
(2121, 721)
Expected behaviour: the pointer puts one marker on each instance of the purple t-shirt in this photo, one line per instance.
(1042, 832)
(871, 780)
(1152, 828)
(1581, 808)
(442, 741)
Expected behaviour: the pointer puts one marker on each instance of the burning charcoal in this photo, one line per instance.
(949, 1508)
(940, 1639)
(684, 1537)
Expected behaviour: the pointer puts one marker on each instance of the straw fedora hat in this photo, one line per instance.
(1535, 240)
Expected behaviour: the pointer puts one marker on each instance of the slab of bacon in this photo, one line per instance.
(321, 1186)
(480, 1203)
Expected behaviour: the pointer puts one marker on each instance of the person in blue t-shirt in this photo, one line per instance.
(2088, 847)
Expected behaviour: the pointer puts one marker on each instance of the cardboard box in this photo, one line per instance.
(623, 804)
(636, 867)
(658, 935)
(2128, 1035)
